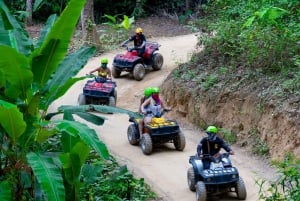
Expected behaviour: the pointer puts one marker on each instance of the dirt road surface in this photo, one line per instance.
(165, 170)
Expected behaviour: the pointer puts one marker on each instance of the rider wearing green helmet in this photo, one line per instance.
(147, 94)
(211, 145)
(103, 70)
(154, 106)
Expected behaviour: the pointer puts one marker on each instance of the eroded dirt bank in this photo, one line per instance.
(257, 123)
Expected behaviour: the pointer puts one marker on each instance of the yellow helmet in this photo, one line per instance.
(139, 30)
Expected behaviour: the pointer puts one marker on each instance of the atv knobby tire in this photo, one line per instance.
(200, 191)
(115, 72)
(146, 144)
(112, 101)
(241, 189)
(158, 61)
(132, 134)
(179, 141)
(139, 72)
(191, 179)
(81, 99)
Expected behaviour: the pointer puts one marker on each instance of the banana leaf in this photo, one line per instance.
(48, 176)
(15, 71)
(47, 58)
(11, 119)
(62, 79)
(88, 135)
(10, 28)
(46, 29)
(5, 191)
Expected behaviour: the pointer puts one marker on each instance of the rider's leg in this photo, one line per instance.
(141, 124)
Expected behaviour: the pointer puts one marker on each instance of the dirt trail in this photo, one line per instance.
(165, 169)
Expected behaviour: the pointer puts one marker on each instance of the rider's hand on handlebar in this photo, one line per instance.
(231, 153)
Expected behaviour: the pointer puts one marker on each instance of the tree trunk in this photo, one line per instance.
(28, 19)
(187, 4)
(88, 26)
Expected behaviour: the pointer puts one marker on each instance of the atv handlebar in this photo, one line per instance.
(99, 78)
(129, 49)
(160, 114)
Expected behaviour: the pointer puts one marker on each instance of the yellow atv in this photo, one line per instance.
(158, 131)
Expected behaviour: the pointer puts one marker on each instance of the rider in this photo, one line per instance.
(154, 104)
(103, 70)
(211, 145)
(147, 94)
(139, 41)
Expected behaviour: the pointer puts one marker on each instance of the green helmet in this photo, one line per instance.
(212, 129)
(148, 91)
(104, 61)
(155, 90)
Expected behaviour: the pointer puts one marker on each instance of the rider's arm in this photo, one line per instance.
(226, 146)
(128, 40)
(199, 149)
(145, 103)
(143, 44)
(109, 73)
(141, 102)
(96, 69)
(163, 106)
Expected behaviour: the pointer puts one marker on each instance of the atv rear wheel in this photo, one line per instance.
(132, 134)
(200, 191)
(81, 99)
(179, 141)
(115, 72)
(112, 101)
(191, 179)
(139, 72)
(158, 61)
(241, 189)
(146, 144)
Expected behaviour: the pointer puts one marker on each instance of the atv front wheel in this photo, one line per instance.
(132, 134)
(191, 179)
(115, 72)
(139, 72)
(146, 144)
(200, 191)
(112, 101)
(179, 141)
(81, 99)
(158, 61)
(241, 189)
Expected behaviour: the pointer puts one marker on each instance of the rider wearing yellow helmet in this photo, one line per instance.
(139, 41)
(103, 70)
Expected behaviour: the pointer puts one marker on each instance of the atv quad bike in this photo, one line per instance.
(99, 91)
(131, 62)
(158, 131)
(220, 178)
